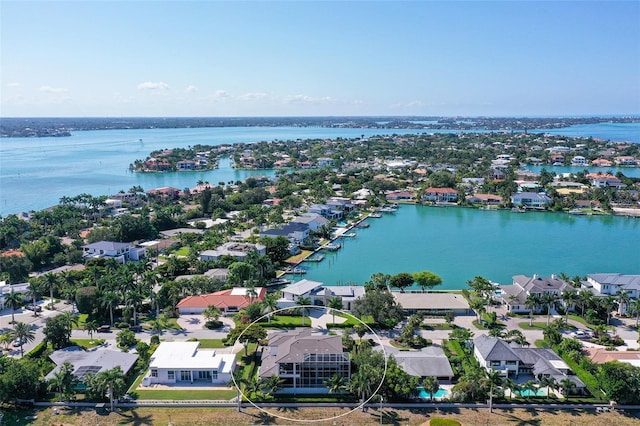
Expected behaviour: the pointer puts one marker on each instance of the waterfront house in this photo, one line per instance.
(432, 303)
(602, 162)
(228, 301)
(440, 195)
(185, 165)
(611, 284)
(325, 210)
(319, 294)
(579, 161)
(295, 232)
(400, 195)
(484, 199)
(234, 249)
(166, 192)
(599, 180)
(532, 200)
(497, 355)
(93, 361)
(120, 252)
(304, 361)
(313, 220)
(514, 296)
(183, 362)
(626, 160)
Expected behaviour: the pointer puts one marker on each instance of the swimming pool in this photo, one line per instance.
(528, 392)
(426, 395)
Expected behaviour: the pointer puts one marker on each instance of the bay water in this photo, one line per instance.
(459, 243)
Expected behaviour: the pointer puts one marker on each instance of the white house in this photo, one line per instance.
(6, 289)
(530, 199)
(319, 294)
(579, 161)
(234, 249)
(121, 252)
(313, 220)
(605, 284)
(295, 232)
(514, 296)
(176, 362)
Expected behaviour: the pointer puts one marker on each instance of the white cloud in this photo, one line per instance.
(13, 85)
(150, 85)
(49, 89)
(253, 96)
(191, 89)
(297, 99)
(218, 95)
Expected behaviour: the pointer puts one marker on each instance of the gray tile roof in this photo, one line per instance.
(625, 282)
(302, 287)
(94, 361)
(493, 349)
(430, 361)
(292, 346)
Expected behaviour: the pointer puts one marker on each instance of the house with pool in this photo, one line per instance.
(511, 360)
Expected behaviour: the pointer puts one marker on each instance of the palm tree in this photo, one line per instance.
(335, 303)
(569, 298)
(110, 300)
(634, 307)
(113, 380)
(64, 381)
(567, 386)
(253, 388)
(303, 302)
(550, 300)
(133, 299)
(270, 303)
(34, 293)
(511, 385)
(517, 336)
(623, 299)
(609, 304)
(13, 300)
(362, 384)
(211, 313)
(531, 387)
(50, 280)
(160, 324)
(336, 384)
(271, 385)
(548, 382)
(431, 385)
(91, 327)
(494, 380)
(532, 302)
(24, 334)
(584, 298)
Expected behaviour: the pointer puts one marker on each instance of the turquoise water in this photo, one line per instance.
(36, 172)
(460, 243)
(439, 394)
(528, 392)
(627, 171)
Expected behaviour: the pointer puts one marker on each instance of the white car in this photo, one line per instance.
(18, 342)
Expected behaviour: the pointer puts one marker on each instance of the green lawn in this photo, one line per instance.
(286, 321)
(87, 343)
(175, 394)
(209, 343)
(183, 251)
(539, 325)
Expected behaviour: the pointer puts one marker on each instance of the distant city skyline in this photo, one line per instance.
(319, 58)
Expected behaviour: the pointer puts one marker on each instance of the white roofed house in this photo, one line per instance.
(319, 294)
(532, 200)
(176, 363)
(238, 250)
(121, 252)
(611, 284)
(313, 220)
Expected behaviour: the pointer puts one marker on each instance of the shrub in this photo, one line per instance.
(155, 339)
(213, 324)
(86, 299)
(123, 325)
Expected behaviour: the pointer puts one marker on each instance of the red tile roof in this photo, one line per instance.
(442, 190)
(221, 299)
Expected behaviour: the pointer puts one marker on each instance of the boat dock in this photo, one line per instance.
(331, 247)
(316, 258)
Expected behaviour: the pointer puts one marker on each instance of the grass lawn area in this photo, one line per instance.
(210, 343)
(298, 257)
(539, 325)
(87, 343)
(181, 394)
(184, 251)
(82, 320)
(443, 421)
(285, 321)
(582, 321)
(541, 343)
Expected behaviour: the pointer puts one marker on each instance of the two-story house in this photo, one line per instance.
(234, 249)
(532, 200)
(121, 252)
(514, 296)
(611, 284)
(304, 361)
(440, 195)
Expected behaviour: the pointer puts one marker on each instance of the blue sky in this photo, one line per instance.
(308, 58)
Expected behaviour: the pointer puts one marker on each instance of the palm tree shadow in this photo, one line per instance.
(134, 419)
(288, 409)
(265, 418)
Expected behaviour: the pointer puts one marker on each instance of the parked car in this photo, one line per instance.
(104, 328)
(34, 308)
(136, 328)
(18, 342)
(580, 334)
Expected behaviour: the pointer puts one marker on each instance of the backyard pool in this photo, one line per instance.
(440, 394)
(528, 392)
